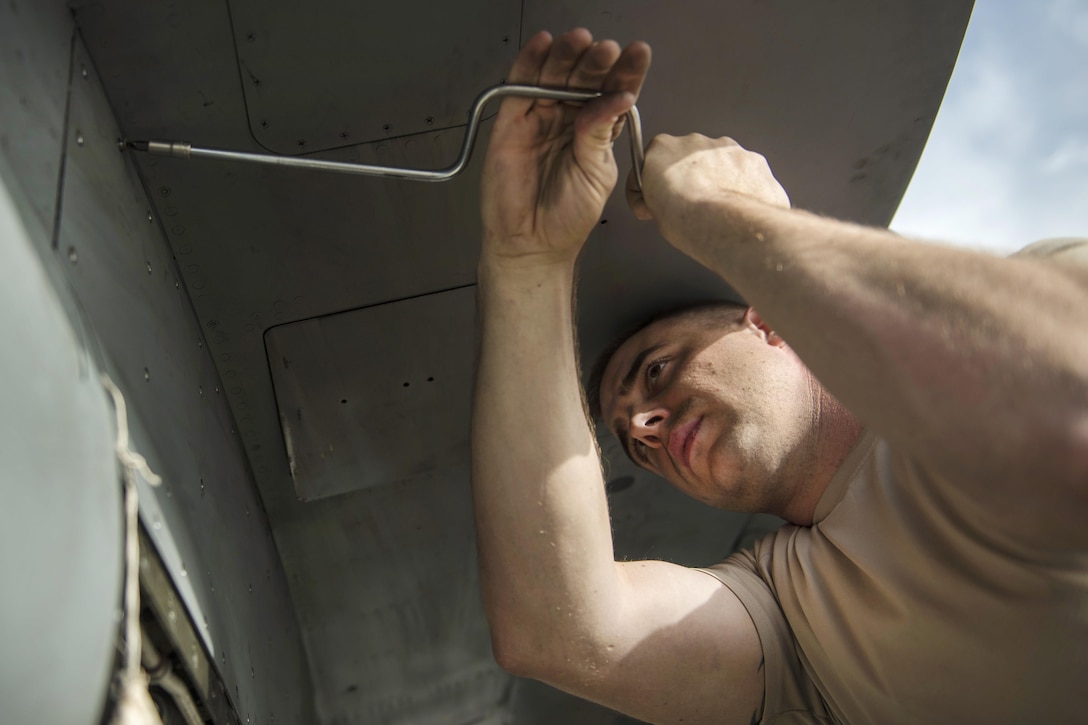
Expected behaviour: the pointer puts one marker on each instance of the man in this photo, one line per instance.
(925, 430)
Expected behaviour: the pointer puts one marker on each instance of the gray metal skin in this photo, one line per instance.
(381, 573)
(104, 262)
(60, 527)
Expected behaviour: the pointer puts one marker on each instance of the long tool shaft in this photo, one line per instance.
(185, 150)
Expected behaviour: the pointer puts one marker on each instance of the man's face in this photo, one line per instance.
(717, 409)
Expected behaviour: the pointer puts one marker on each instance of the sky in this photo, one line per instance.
(1007, 161)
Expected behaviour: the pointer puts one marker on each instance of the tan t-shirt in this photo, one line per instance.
(900, 606)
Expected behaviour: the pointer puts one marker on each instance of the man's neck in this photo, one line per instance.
(836, 431)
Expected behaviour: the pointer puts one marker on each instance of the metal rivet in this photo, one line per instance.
(429, 120)
(387, 128)
(200, 388)
(200, 344)
(177, 285)
(72, 256)
(149, 267)
(150, 218)
(79, 138)
(83, 71)
(213, 324)
(251, 37)
(147, 375)
(164, 190)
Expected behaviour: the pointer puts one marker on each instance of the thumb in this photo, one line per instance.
(594, 127)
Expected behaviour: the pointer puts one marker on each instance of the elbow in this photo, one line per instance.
(515, 654)
(1078, 455)
(510, 657)
(542, 654)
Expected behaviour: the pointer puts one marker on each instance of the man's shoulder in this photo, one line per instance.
(1064, 249)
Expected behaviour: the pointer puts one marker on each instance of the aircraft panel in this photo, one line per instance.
(432, 57)
(377, 395)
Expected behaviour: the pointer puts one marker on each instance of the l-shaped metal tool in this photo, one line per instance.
(186, 150)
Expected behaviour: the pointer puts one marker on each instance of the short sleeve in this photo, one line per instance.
(789, 696)
(1064, 250)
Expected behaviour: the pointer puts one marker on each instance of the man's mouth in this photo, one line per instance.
(680, 442)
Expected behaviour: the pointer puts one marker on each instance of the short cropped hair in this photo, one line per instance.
(731, 314)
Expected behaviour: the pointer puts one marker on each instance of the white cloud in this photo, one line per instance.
(1071, 154)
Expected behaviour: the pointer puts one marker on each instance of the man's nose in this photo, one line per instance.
(649, 427)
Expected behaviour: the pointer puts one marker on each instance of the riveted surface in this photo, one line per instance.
(433, 57)
(35, 44)
(377, 395)
(123, 291)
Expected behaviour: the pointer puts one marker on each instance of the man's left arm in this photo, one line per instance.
(976, 365)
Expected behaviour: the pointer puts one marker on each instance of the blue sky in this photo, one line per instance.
(1007, 161)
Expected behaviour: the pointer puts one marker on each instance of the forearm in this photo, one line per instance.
(970, 360)
(546, 559)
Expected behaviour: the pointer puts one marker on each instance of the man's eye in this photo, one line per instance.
(653, 372)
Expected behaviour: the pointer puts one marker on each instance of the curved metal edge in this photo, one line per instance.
(184, 150)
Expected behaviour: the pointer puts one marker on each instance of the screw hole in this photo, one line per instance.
(407, 384)
(343, 401)
(430, 380)
(604, 221)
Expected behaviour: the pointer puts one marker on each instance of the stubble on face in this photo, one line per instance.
(741, 388)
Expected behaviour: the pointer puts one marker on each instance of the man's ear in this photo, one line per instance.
(755, 321)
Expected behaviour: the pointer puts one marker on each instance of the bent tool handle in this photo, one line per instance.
(185, 150)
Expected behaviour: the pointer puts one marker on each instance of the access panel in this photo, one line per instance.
(376, 395)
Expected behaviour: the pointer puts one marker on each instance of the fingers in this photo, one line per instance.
(526, 68)
(629, 70)
(526, 71)
(566, 52)
(594, 65)
(635, 200)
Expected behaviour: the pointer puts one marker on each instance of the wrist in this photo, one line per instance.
(720, 220)
(537, 267)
